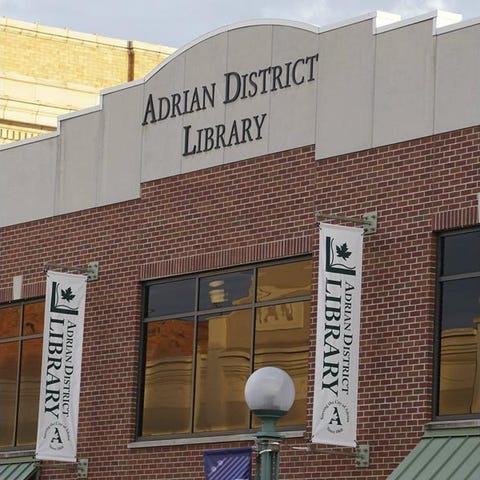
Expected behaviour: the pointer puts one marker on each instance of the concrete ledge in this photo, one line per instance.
(241, 437)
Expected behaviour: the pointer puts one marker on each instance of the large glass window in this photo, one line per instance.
(21, 331)
(458, 370)
(205, 334)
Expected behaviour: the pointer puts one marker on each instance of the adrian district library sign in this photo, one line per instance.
(61, 367)
(238, 86)
(338, 335)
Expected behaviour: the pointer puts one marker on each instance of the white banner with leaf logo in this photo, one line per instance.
(338, 335)
(61, 367)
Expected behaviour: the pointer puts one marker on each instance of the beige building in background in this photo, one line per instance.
(46, 72)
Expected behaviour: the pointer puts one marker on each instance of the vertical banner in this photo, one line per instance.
(61, 367)
(228, 464)
(338, 335)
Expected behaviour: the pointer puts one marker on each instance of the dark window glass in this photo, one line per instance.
(171, 298)
(461, 253)
(20, 363)
(226, 290)
(460, 303)
(195, 368)
(459, 323)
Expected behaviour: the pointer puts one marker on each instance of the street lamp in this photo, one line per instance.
(269, 393)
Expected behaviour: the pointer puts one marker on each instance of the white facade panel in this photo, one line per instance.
(457, 88)
(345, 90)
(293, 108)
(119, 178)
(80, 160)
(404, 84)
(27, 181)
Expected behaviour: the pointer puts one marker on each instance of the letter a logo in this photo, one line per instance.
(57, 439)
(335, 417)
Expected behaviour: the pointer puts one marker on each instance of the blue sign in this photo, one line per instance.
(228, 464)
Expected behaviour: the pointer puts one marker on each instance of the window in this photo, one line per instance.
(203, 336)
(21, 331)
(458, 338)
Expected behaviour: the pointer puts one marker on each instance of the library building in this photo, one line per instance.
(256, 256)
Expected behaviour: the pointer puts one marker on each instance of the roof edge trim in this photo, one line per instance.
(273, 22)
(442, 18)
(458, 26)
(38, 138)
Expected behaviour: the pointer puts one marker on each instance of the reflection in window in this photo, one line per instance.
(33, 316)
(21, 330)
(8, 392)
(10, 321)
(168, 376)
(284, 281)
(459, 288)
(223, 366)
(238, 321)
(281, 339)
(29, 391)
(226, 290)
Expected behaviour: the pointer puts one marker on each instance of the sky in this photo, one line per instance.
(175, 23)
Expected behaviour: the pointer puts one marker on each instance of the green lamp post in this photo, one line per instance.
(269, 393)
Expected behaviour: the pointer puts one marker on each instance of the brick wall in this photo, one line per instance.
(43, 55)
(37, 60)
(87, 59)
(244, 212)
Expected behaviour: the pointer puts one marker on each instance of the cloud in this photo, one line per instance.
(410, 8)
(302, 10)
(177, 23)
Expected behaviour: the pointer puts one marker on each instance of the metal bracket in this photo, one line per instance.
(82, 468)
(370, 223)
(362, 456)
(91, 269)
(92, 272)
(368, 220)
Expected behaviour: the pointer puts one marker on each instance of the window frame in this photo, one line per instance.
(20, 341)
(252, 306)
(439, 281)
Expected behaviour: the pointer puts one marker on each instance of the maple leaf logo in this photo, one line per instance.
(68, 295)
(343, 251)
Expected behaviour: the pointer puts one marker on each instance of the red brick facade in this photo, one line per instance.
(240, 213)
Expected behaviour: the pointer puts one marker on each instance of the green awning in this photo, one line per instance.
(18, 469)
(450, 454)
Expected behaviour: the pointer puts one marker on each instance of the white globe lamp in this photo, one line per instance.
(269, 393)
